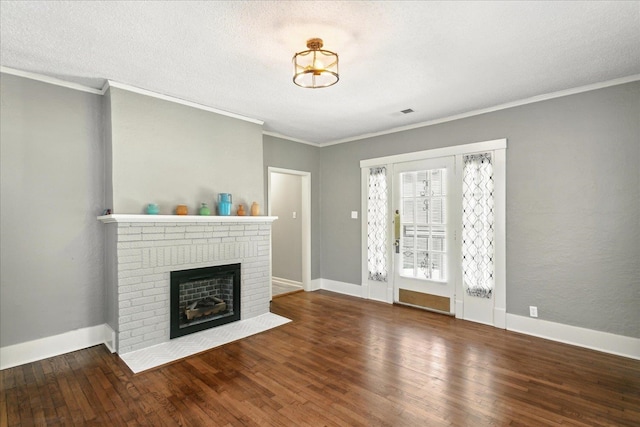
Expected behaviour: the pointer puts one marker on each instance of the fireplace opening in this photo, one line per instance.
(203, 298)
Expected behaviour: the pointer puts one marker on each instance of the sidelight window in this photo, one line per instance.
(377, 209)
(478, 229)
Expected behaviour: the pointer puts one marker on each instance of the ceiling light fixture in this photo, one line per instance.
(309, 69)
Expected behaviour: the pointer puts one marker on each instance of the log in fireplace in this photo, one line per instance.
(203, 298)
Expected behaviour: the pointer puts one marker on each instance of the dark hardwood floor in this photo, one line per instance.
(342, 361)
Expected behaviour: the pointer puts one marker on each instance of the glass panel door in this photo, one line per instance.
(424, 257)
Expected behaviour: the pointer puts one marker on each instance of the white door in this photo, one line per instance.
(425, 259)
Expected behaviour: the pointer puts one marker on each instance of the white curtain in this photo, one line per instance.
(478, 243)
(377, 224)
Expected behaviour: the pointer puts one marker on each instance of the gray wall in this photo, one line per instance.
(52, 189)
(281, 153)
(573, 181)
(172, 154)
(286, 232)
(573, 196)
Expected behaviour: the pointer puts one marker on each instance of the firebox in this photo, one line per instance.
(203, 298)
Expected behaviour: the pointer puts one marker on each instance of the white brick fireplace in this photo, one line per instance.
(142, 250)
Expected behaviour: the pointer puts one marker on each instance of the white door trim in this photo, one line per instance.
(453, 150)
(305, 218)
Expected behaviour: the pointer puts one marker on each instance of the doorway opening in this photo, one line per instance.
(289, 198)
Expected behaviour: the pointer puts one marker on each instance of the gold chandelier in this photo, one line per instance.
(315, 68)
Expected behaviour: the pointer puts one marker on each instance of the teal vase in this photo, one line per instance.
(153, 209)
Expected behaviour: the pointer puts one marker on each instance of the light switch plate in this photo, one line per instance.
(354, 214)
(295, 215)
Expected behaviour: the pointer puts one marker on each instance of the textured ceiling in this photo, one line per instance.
(438, 58)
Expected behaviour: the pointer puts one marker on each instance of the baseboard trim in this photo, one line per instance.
(500, 318)
(109, 338)
(286, 282)
(588, 338)
(315, 285)
(342, 288)
(32, 351)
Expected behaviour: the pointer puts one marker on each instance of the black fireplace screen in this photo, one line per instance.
(203, 298)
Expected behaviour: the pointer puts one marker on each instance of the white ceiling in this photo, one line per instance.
(440, 59)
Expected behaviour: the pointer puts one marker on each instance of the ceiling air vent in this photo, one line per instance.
(407, 111)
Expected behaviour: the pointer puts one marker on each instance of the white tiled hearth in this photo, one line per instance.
(178, 348)
(142, 250)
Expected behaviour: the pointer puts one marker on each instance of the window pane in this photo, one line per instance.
(422, 216)
(423, 219)
(437, 211)
(408, 185)
(424, 261)
(437, 182)
(437, 266)
(408, 211)
(438, 239)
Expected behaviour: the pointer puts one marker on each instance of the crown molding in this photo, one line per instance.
(123, 86)
(110, 83)
(289, 138)
(532, 100)
(51, 80)
(134, 89)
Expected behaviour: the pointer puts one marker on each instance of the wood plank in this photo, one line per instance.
(343, 361)
(434, 302)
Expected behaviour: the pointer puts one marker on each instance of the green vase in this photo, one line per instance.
(204, 210)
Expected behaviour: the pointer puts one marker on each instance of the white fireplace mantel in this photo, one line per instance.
(125, 218)
(143, 250)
